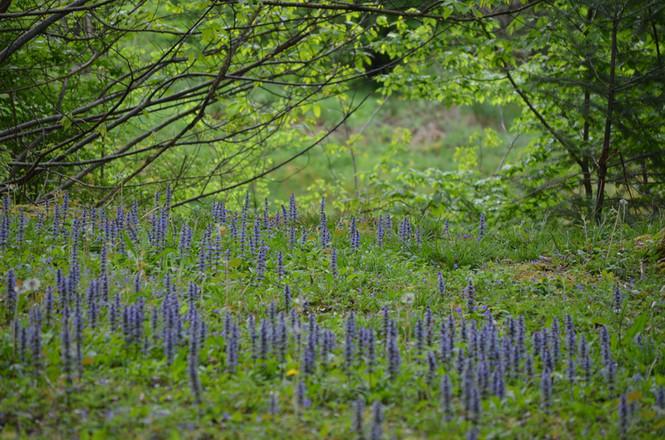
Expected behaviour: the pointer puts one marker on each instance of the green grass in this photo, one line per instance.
(427, 135)
(540, 271)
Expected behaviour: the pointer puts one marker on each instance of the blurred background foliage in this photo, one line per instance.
(500, 107)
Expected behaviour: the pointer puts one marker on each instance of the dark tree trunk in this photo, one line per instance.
(605, 153)
(586, 154)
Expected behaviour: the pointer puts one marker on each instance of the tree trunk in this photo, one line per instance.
(586, 154)
(586, 180)
(605, 153)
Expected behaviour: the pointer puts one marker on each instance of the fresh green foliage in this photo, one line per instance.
(588, 74)
(114, 99)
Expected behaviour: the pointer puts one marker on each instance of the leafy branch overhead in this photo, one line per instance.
(115, 96)
(80, 94)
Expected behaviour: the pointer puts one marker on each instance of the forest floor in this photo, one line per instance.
(238, 325)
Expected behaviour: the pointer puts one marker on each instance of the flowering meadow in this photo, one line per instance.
(252, 319)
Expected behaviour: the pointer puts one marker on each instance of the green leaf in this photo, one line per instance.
(66, 122)
(638, 325)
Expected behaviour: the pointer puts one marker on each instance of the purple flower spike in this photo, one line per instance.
(420, 338)
(287, 298)
(66, 347)
(482, 227)
(371, 350)
(380, 232)
(446, 397)
(280, 266)
(349, 341)
(377, 420)
(623, 411)
(193, 367)
(261, 263)
(570, 370)
(359, 409)
(293, 210)
(301, 395)
(470, 294)
(333, 262)
(584, 359)
(546, 388)
(354, 235)
(431, 367)
(618, 299)
(441, 283)
(323, 227)
(11, 291)
(605, 346)
(660, 397)
(394, 359)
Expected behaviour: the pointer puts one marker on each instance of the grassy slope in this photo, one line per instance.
(435, 132)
